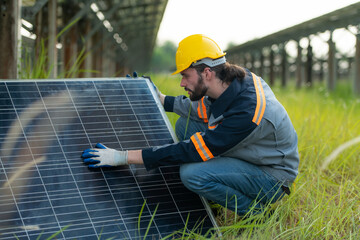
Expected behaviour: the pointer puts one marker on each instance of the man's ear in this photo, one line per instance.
(208, 73)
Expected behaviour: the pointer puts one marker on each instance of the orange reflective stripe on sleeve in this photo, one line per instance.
(202, 110)
(260, 100)
(200, 146)
(212, 127)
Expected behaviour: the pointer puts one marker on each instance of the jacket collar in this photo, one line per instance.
(219, 106)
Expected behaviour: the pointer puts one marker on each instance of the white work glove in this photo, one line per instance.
(102, 156)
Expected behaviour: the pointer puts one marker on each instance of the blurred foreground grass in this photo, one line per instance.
(324, 204)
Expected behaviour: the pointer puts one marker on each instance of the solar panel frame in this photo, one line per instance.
(54, 119)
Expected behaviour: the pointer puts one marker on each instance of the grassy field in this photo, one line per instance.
(325, 202)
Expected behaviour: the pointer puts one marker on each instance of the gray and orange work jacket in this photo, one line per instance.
(246, 122)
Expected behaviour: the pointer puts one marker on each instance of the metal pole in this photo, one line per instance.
(9, 32)
(52, 51)
(321, 70)
(252, 61)
(357, 65)
(272, 70)
(70, 42)
(88, 45)
(331, 64)
(309, 64)
(284, 66)
(299, 66)
(262, 64)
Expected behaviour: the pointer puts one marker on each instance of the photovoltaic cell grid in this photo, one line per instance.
(46, 188)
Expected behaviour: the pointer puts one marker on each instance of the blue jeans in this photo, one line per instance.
(235, 184)
(185, 131)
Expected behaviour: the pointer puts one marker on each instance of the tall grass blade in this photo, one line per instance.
(140, 214)
(151, 220)
(338, 150)
(67, 27)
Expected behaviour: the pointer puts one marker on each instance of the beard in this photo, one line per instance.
(199, 91)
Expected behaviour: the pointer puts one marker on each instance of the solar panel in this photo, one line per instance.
(45, 187)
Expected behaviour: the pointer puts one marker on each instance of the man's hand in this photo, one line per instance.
(102, 156)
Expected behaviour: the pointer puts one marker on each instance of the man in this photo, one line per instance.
(243, 147)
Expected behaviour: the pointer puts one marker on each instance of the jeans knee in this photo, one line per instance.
(185, 174)
(185, 128)
(190, 178)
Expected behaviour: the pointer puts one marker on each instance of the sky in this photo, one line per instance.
(238, 21)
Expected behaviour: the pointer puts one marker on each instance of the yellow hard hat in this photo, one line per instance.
(197, 47)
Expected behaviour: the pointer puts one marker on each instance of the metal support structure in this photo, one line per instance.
(80, 14)
(350, 61)
(119, 70)
(321, 70)
(299, 74)
(99, 25)
(272, 68)
(9, 32)
(52, 50)
(97, 43)
(309, 64)
(41, 28)
(30, 12)
(69, 41)
(88, 59)
(331, 64)
(357, 64)
(94, 56)
(246, 61)
(338, 19)
(130, 27)
(97, 54)
(284, 66)
(262, 64)
(252, 61)
(241, 60)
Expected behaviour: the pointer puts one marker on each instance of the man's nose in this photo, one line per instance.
(182, 83)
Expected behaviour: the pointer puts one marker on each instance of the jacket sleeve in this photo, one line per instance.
(181, 105)
(201, 146)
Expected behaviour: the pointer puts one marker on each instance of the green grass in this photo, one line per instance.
(324, 204)
(37, 67)
(169, 85)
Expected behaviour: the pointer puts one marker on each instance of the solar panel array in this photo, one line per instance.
(45, 187)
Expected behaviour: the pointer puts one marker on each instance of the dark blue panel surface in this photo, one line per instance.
(45, 187)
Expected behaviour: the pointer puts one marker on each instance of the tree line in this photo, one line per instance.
(163, 58)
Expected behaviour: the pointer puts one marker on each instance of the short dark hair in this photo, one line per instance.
(226, 72)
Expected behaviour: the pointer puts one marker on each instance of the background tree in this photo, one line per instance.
(163, 59)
